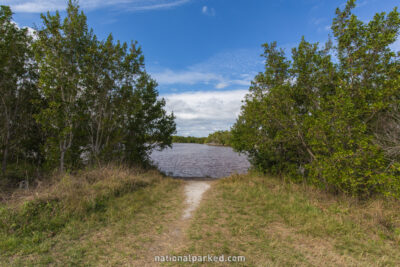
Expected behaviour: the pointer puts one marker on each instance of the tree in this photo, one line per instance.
(100, 80)
(321, 121)
(188, 139)
(125, 120)
(101, 105)
(18, 131)
(219, 138)
(147, 123)
(60, 51)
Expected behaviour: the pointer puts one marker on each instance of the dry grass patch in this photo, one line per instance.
(94, 218)
(83, 186)
(272, 222)
(134, 223)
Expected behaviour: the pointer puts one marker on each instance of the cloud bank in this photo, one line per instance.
(201, 113)
(217, 86)
(38, 6)
(228, 70)
(191, 77)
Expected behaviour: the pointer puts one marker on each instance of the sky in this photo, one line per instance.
(204, 53)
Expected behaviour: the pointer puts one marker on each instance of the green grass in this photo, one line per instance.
(119, 217)
(107, 219)
(273, 223)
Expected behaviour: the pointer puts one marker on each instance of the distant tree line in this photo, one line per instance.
(216, 138)
(330, 115)
(222, 138)
(188, 139)
(68, 99)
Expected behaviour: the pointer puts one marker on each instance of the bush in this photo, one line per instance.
(320, 119)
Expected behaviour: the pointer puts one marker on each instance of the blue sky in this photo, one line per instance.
(204, 53)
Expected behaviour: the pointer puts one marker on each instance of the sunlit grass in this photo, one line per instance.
(97, 217)
(276, 223)
(116, 217)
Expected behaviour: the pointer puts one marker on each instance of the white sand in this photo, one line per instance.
(194, 191)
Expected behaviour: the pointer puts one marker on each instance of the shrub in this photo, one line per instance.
(320, 119)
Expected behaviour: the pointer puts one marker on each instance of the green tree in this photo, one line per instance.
(125, 120)
(219, 138)
(60, 51)
(101, 103)
(101, 79)
(147, 124)
(19, 137)
(188, 139)
(321, 121)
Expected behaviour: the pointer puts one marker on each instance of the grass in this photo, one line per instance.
(122, 217)
(273, 223)
(98, 217)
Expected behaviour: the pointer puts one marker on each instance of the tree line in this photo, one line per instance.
(329, 115)
(188, 139)
(222, 138)
(216, 138)
(69, 99)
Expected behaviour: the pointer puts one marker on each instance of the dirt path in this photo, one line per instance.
(194, 192)
(174, 238)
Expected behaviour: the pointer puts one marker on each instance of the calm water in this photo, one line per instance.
(195, 160)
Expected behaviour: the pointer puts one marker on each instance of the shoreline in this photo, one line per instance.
(208, 144)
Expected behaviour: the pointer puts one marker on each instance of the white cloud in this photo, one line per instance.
(317, 21)
(37, 6)
(223, 70)
(320, 24)
(157, 4)
(185, 77)
(200, 113)
(208, 11)
(191, 77)
(222, 85)
(233, 63)
(362, 3)
(32, 32)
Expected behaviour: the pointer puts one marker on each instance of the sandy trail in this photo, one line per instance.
(174, 237)
(194, 191)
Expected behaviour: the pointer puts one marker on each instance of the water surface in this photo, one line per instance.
(197, 160)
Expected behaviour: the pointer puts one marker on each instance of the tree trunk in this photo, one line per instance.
(4, 164)
(5, 153)
(62, 155)
(62, 160)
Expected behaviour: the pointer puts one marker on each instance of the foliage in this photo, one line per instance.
(276, 223)
(188, 139)
(33, 222)
(71, 196)
(219, 138)
(60, 51)
(319, 118)
(20, 136)
(69, 99)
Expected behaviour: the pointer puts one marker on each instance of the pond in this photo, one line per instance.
(200, 161)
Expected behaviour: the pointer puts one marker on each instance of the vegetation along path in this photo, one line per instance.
(121, 217)
(174, 237)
